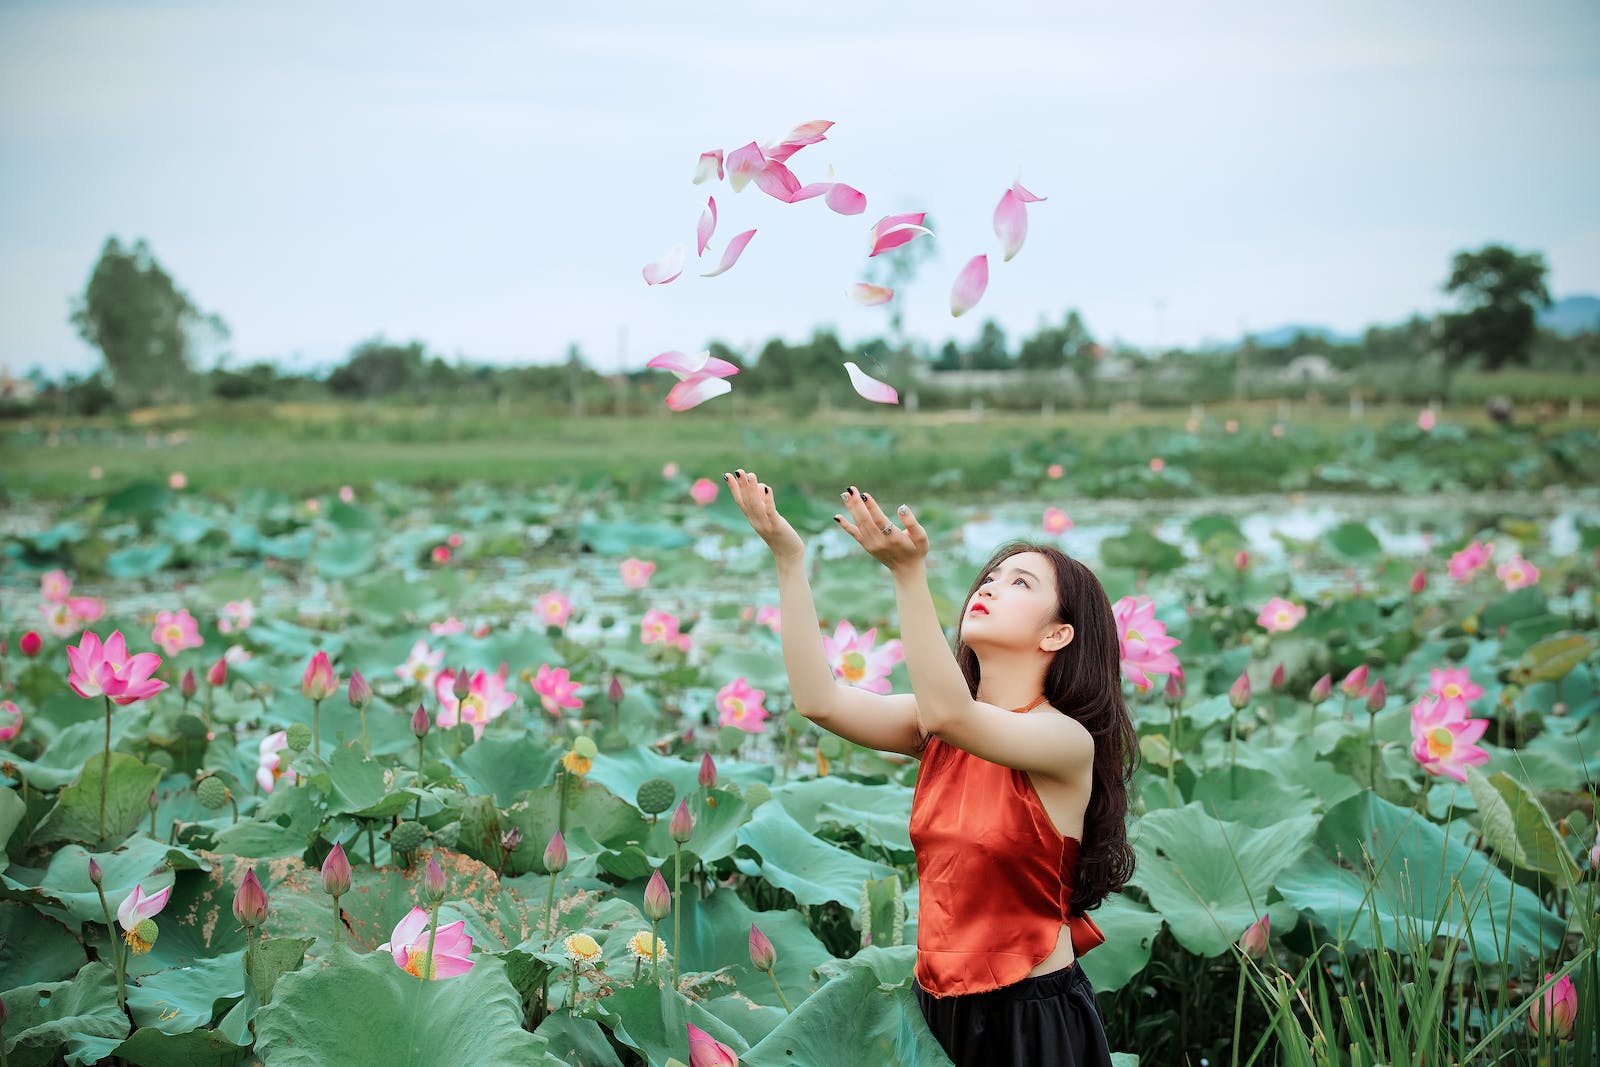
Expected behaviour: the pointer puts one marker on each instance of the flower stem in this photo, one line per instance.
(372, 848)
(105, 770)
(233, 803)
(1233, 752)
(1372, 742)
(655, 956)
(561, 809)
(1172, 758)
(677, 909)
(366, 745)
(422, 747)
(774, 976)
(549, 898)
(433, 931)
(572, 1004)
(336, 922)
(1238, 1013)
(316, 728)
(116, 950)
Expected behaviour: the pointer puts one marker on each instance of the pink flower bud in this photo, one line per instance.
(360, 692)
(94, 873)
(336, 872)
(1419, 582)
(187, 685)
(419, 722)
(1377, 696)
(217, 675)
(708, 771)
(762, 954)
(1254, 941)
(1241, 559)
(1355, 683)
(250, 901)
(433, 881)
(30, 643)
(614, 692)
(1239, 694)
(463, 684)
(707, 1051)
(1322, 690)
(1555, 1012)
(555, 854)
(319, 682)
(657, 898)
(1175, 688)
(1277, 683)
(682, 824)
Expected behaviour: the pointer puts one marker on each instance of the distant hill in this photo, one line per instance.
(1572, 315)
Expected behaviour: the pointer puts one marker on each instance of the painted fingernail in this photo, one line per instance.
(904, 510)
(766, 488)
(843, 496)
(837, 519)
(853, 489)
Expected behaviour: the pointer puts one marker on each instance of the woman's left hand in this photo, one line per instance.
(890, 545)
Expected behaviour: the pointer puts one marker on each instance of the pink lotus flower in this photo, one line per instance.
(135, 908)
(59, 619)
(1054, 471)
(452, 947)
(107, 670)
(1555, 1012)
(86, 608)
(270, 762)
(236, 615)
(176, 631)
(1419, 582)
(1231, 426)
(347, 494)
(1280, 616)
(868, 295)
(486, 700)
(1425, 419)
(319, 682)
(636, 572)
(870, 388)
(1146, 648)
(454, 540)
(704, 491)
(770, 617)
(1448, 748)
(1467, 562)
(707, 1051)
(10, 720)
(740, 705)
(451, 625)
(556, 689)
(55, 586)
(661, 627)
(1517, 572)
(1157, 464)
(969, 286)
(440, 554)
(554, 609)
(1241, 560)
(1429, 711)
(422, 665)
(177, 480)
(1056, 521)
(669, 470)
(1454, 687)
(855, 660)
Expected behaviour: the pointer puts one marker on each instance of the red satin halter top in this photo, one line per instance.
(994, 875)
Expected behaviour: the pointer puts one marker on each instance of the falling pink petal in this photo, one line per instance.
(1011, 223)
(666, 268)
(696, 390)
(897, 236)
(813, 190)
(710, 163)
(1025, 196)
(870, 388)
(708, 225)
(844, 200)
(730, 255)
(689, 366)
(889, 222)
(777, 181)
(743, 164)
(870, 295)
(969, 286)
(796, 139)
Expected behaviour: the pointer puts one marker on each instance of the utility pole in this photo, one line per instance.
(621, 378)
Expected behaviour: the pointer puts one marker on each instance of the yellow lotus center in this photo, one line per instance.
(853, 667)
(1451, 691)
(420, 671)
(1283, 618)
(472, 708)
(136, 944)
(174, 632)
(1134, 634)
(737, 705)
(1440, 742)
(553, 610)
(417, 959)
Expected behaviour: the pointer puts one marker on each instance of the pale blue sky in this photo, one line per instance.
(490, 178)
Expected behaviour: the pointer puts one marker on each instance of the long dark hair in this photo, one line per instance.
(1084, 681)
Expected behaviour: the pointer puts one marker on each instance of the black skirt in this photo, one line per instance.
(1050, 1020)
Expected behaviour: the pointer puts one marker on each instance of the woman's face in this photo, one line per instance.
(1014, 605)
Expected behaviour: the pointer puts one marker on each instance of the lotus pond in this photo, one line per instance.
(568, 785)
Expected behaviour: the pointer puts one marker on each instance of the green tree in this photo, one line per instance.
(377, 368)
(1501, 292)
(989, 351)
(142, 323)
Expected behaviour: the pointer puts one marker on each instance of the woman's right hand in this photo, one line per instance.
(756, 501)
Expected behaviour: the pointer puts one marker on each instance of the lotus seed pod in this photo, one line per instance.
(212, 791)
(585, 747)
(160, 758)
(407, 837)
(655, 796)
(298, 736)
(147, 931)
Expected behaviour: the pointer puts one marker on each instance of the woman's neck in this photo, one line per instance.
(1010, 681)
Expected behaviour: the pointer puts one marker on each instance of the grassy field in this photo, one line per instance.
(305, 448)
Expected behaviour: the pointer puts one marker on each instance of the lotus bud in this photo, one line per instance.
(1277, 683)
(708, 771)
(1555, 1012)
(419, 722)
(360, 692)
(463, 684)
(682, 824)
(30, 643)
(511, 839)
(614, 691)
(1355, 683)
(187, 685)
(433, 881)
(762, 955)
(1175, 688)
(555, 854)
(217, 675)
(1322, 690)
(707, 1051)
(1377, 696)
(336, 873)
(94, 873)
(319, 682)
(1239, 694)
(1419, 581)
(1254, 941)
(657, 898)
(1241, 559)
(250, 901)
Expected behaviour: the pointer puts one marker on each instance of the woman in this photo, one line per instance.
(1026, 750)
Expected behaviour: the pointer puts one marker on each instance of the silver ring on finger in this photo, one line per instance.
(889, 528)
